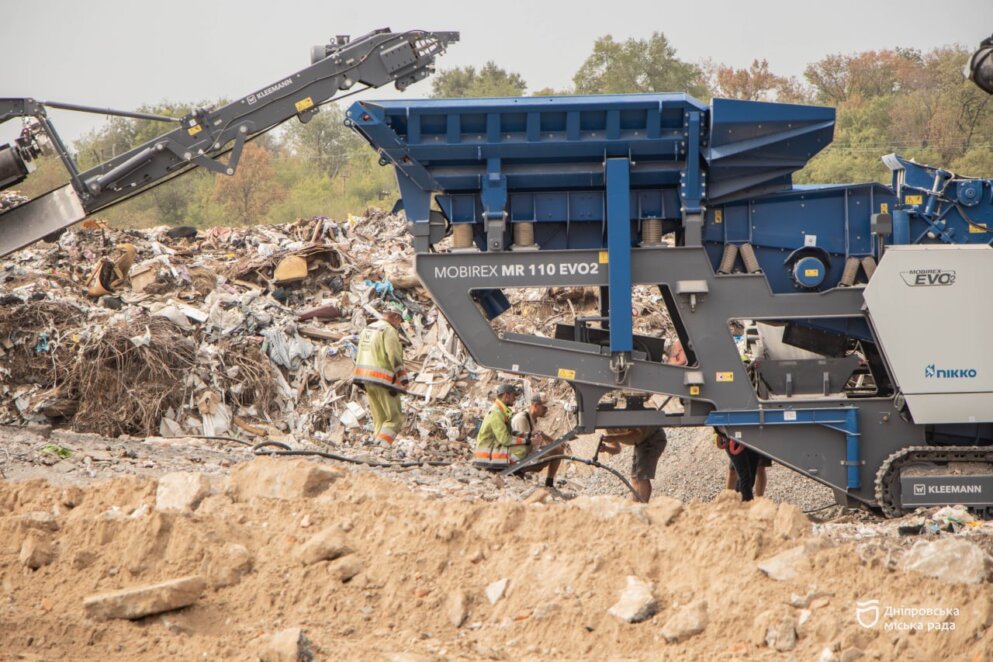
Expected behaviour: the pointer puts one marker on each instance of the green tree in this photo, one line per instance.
(840, 78)
(490, 81)
(792, 90)
(906, 101)
(49, 174)
(977, 162)
(638, 65)
(169, 203)
(363, 184)
(551, 92)
(324, 142)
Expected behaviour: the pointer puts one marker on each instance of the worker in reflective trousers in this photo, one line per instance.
(379, 370)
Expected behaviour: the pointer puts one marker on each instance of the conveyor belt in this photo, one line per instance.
(34, 220)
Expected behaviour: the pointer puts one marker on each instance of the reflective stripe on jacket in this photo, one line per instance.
(494, 443)
(380, 357)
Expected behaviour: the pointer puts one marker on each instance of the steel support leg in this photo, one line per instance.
(853, 454)
(618, 178)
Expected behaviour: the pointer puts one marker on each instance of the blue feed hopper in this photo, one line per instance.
(542, 159)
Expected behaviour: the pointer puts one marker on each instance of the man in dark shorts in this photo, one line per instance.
(649, 443)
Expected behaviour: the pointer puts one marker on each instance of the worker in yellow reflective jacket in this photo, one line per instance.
(379, 370)
(496, 445)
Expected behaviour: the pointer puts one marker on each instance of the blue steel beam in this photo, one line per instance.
(370, 122)
(619, 254)
(691, 184)
(841, 419)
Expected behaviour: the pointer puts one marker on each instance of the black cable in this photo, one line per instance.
(213, 438)
(285, 450)
(817, 510)
(965, 217)
(258, 449)
(598, 465)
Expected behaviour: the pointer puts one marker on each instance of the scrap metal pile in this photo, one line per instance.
(246, 332)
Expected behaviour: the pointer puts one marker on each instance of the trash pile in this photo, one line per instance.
(930, 522)
(10, 199)
(246, 332)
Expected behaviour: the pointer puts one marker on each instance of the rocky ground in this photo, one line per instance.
(290, 559)
(191, 549)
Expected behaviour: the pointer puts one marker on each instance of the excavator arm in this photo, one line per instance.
(204, 135)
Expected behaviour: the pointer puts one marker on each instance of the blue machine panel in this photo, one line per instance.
(831, 223)
(548, 154)
(756, 146)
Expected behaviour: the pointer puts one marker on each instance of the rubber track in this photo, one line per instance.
(889, 470)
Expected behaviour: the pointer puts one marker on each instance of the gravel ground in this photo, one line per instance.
(69, 458)
(692, 468)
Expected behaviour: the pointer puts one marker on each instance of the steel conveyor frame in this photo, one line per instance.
(704, 303)
(369, 61)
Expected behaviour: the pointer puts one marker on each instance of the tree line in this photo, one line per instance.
(912, 102)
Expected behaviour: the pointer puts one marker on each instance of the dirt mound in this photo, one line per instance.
(371, 570)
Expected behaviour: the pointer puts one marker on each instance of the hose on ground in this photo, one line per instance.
(598, 465)
(286, 450)
(283, 449)
(213, 438)
(817, 510)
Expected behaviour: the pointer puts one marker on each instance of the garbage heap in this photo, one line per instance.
(248, 332)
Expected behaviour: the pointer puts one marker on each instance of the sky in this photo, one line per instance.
(117, 54)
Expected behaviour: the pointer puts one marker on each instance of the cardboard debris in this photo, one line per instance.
(290, 269)
(94, 224)
(143, 275)
(110, 274)
(335, 368)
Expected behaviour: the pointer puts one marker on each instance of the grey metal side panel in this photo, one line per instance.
(934, 331)
(451, 277)
(951, 407)
(34, 220)
(807, 376)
